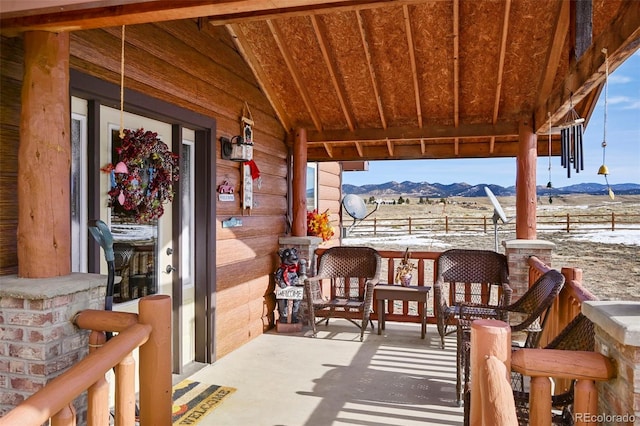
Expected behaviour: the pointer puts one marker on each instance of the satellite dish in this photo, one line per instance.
(498, 213)
(356, 208)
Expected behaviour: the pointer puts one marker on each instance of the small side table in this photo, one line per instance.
(413, 293)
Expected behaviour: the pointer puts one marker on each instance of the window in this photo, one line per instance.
(312, 186)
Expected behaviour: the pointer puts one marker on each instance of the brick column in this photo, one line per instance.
(617, 330)
(518, 252)
(38, 342)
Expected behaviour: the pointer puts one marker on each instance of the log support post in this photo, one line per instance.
(44, 158)
(526, 197)
(299, 196)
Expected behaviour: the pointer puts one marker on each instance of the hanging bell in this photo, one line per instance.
(549, 185)
(603, 170)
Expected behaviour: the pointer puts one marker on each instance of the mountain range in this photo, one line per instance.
(425, 189)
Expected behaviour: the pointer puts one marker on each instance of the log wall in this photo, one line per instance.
(200, 70)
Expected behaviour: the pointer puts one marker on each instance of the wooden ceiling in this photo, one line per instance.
(402, 79)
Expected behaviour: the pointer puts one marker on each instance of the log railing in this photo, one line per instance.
(569, 301)
(491, 393)
(150, 331)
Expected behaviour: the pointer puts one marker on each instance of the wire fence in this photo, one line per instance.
(424, 225)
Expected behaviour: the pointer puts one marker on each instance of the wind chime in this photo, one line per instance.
(572, 154)
(549, 185)
(604, 170)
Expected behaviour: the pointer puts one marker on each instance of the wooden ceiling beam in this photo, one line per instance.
(242, 45)
(313, 10)
(390, 148)
(554, 52)
(295, 74)
(621, 39)
(359, 148)
(503, 50)
(372, 73)
(412, 60)
(456, 63)
(437, 150)
(101, 14)
(414, 133)
(330, 62)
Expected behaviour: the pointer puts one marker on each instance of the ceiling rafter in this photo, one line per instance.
(412, 60)
(554, 55)
(621, 38)
(330, 62)
(240, 42)
(372, 73)
(314, 10)
(503, 50)
(329, 149)
(293, 70)
(359, 148)
(423, 146)
(456, 64)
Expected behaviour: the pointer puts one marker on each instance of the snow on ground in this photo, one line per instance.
(626, 236)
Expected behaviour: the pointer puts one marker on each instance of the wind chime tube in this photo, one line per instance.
(563, 141)
(580, 161)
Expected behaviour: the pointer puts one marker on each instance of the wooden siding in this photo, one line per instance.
(161, 61)
(329, 196)
(11, 55)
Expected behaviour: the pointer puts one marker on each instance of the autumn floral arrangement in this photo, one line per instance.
(142, 181)
(319, 225)
(404, 270)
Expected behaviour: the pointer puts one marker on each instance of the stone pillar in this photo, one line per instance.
(38, 341)
(617, 330)
(518, 252)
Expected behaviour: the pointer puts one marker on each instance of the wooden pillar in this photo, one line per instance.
(299, 196)
(526, 198)
(44, 158)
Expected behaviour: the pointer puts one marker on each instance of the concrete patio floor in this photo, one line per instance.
(292, 379)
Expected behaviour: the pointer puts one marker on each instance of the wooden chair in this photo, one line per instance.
(578, 335)
(473, 277)
(352, 273)
(531, 309)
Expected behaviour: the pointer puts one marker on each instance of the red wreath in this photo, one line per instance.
(142, 182)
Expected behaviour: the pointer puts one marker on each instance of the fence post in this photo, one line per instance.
(446, 224)
(409, 225)
(613, 221)
(155, 361)
(375, 226)
(568, 221)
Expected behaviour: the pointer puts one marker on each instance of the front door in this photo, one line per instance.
(145, 253)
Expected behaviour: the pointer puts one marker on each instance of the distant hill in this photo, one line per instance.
(425, 189)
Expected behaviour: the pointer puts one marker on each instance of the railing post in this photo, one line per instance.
(539, 402)
(490, 338)
(155, 361)
(125, 399)
(585, 401)
(98, 393)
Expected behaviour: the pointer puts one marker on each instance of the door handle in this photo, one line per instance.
(169, 269)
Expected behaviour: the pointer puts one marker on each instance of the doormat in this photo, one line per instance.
(192, 401)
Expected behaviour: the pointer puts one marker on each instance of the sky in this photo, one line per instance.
(622, 151)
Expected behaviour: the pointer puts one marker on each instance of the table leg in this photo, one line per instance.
(423, 317)
(380, 309)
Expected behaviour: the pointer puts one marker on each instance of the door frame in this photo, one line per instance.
(99, 92)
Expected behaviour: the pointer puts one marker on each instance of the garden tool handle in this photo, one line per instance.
(101, 233)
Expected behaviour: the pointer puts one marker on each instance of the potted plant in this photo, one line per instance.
(404, 270)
